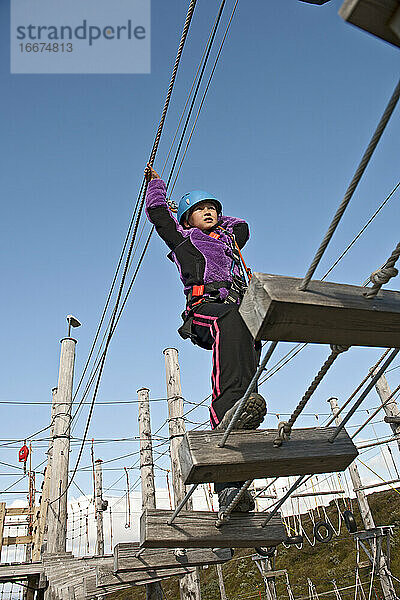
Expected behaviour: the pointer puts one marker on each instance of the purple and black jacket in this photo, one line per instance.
(200, 259)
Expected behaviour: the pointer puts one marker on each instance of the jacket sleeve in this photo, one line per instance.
(160, 215)
(239, 227)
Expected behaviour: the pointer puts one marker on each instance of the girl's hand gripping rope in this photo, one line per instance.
(150, 173)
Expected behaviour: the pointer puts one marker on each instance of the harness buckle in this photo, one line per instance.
(198, 290)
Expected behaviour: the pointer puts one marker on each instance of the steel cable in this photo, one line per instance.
(352, 186)
(127, 261)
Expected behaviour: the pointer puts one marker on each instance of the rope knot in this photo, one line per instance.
(338, 349)
(284, 431)
(382, 276)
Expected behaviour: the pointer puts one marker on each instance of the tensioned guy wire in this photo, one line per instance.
(352, 186)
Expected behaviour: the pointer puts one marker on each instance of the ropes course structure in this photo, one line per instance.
(290, 529)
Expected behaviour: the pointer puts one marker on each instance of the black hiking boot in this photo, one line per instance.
(252, 415)
(227, 495)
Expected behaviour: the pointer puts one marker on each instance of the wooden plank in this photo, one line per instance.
(195, 529)
(2, 517)
(375, 16)
(92, 591)
(18, 539)
(327, 313)
(107, 577)
(252, 455)
(20, 571)
(13, 512)
(166, 558)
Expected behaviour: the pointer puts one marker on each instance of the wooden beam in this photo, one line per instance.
(195, 529)
(252, 455)
(92, 591)
(166, 558)
(274, 309)
(2, 517)
(19, 571)
(106, 577)
(12, 512)
(379, 17)
(18, 539)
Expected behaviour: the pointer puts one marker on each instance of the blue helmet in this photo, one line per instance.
(190, 200)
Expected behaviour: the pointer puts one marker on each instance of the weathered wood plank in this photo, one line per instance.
(93, 591)
(252, 455)
(13, 512)
(15, 572)
(195, 529)
(107, 577)
(375, 16)
(327, 313)
(2, 517)
(18, 539)
(166, 558)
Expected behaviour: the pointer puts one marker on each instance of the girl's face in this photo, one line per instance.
(204, 216)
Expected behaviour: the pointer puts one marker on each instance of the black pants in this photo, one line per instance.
(220, 328)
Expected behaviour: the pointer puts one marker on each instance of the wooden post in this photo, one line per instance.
(189, 585)
(40, 530)
(366, 515)
(221, 583)
(57, 506)
(2, 518)
(99, 506)
(391, 409)
(153, 590)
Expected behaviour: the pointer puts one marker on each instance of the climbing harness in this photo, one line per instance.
(210, 292)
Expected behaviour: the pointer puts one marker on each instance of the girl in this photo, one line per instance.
(205, 246)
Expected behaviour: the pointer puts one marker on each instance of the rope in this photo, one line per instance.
(224, 516)
(285, 427)
(384, 274)
(139, 211)
(353, 184)
(376, 411)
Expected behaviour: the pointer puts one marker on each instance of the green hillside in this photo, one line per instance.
(322, 563)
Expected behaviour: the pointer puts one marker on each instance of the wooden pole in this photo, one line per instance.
(57, 507)
(391, 408)
(366, 515)
(153, 590)
(189, 584)
(99, 507)
(40, 530)
(221, 583)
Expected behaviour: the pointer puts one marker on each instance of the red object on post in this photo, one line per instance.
(23, 453)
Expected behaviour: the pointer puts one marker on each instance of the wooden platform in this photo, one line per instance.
(379, 17)
(125, 559)
(106, 577)
(252, 455)
(327, 313)
(195, 529)
(17, 571)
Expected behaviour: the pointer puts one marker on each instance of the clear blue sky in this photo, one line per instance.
(293, 104)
